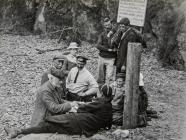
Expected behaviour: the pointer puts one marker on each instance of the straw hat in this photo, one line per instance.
(73, 45)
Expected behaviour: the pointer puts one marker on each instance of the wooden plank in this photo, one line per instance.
(130, 112)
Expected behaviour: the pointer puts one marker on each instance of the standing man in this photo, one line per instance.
(49, 99)
(58, 63)
(125, 34)
(80, 83)
(107, 54)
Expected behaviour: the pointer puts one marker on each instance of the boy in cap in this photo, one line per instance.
(58, 63)
(88, 119)
(80, 83)
(118, 88)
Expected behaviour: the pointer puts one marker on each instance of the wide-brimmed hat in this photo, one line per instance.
(73, 45)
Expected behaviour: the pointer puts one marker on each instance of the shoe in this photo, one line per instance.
(153, 116)
(151, 112)
(148, 119)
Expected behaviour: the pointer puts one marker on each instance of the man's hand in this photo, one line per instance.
(112, 50)
(73, 109)
(73, 104)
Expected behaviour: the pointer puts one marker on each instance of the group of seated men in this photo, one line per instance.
(66, 104)
(66, 101)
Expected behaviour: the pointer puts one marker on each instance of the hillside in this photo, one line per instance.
(20, 73)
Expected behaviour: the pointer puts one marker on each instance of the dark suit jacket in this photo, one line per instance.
(88, 120)
(131, 35)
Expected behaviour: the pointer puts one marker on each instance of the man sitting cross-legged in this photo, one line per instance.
(49, 98)
(80, 83)
(90, 117)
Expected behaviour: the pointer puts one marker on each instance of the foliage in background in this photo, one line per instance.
(163, 21)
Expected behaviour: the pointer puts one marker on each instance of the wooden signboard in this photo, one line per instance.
(135, 10)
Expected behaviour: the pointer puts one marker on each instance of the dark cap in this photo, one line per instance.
(120, 75)
(83, 57)
(106, 90)
(57, 73)
(124, 21)
(106, 19)
(59, 57)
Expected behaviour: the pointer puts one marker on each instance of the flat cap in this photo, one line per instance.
(107, 19)
(121, 75)
(60, 57)
(124, 21)
(83, 57)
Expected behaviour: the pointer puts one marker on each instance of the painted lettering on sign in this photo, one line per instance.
(134, 10)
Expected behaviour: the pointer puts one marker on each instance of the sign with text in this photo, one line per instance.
(134, 10)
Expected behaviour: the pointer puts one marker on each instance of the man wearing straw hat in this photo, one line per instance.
(71, 57)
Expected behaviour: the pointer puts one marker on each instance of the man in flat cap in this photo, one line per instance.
(49, 99)
(125, 34)
(80, 83)
(58, 63)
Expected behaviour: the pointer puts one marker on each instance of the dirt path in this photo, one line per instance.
(21, 68)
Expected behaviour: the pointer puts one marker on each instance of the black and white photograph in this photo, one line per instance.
(92, 70)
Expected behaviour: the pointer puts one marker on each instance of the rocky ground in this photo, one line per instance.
(20, 73)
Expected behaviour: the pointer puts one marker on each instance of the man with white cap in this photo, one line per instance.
(80, 83)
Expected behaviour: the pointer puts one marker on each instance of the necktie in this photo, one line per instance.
(76, 76)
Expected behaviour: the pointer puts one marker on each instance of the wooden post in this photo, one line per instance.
(130, 112)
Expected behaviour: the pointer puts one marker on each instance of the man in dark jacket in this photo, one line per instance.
(122, 37)
(107, 54)
(49, 99)
(88, 119)
(58, 63)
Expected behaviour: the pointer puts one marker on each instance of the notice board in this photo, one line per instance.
(135, 10)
